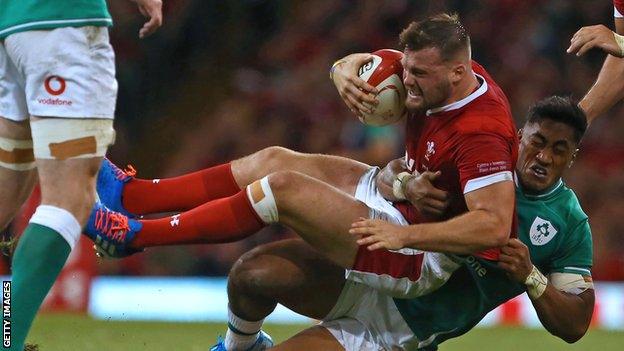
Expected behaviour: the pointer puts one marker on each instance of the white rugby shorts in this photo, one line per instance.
(64, 72)
(404, 273)
(365, 319)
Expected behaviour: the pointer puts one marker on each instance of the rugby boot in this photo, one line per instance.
(110, 184)
(111, 232)
(264, 342)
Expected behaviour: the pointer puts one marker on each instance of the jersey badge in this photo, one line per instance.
(430, 150)
(542, 231)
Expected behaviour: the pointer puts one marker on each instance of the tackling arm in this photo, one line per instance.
(486, 225)
(564, 303)
(609, 86)
(388, 175)
(565, 315)
(396, 184)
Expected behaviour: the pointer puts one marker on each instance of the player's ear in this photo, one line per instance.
(458, 71)
(573, 158)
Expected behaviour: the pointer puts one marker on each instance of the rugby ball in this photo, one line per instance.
(385, 72)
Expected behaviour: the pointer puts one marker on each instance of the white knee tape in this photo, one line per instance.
(17, 154)
(59, 220)
(64, 138)
(261, 198)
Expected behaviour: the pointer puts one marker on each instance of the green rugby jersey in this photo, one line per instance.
(24, 15)
(557, 232)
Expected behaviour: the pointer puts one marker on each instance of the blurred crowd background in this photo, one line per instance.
(225, 78)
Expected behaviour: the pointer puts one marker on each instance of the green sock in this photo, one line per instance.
(40, 255)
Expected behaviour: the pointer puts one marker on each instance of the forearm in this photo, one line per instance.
(387, 176)
(471, 232)
(562, 314)
(607, 90)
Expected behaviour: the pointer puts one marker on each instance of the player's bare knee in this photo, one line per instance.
(284, 181)
(248, 274)
(275, 158)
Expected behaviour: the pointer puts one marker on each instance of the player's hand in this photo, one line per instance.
(591, 37)
(358, 95)
(428, 199)
(379, 234)
(516, 260)
(151, 9)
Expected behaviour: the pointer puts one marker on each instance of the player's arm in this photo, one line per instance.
(388, 182)
(609, 86)
(564, 302)
(151, 9)
(484, 163)
(486, 225)
(353, 90)
(396, 183)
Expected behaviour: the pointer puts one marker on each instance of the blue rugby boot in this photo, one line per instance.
(111, 232)
(110, 183)
(264, 342)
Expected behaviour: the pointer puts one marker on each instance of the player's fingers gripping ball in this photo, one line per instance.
(385, 73)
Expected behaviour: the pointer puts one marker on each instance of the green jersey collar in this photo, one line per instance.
(543, 195)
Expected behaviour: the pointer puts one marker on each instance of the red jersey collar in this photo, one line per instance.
(463, 102)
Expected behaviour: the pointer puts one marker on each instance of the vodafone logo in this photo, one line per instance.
(54, 85)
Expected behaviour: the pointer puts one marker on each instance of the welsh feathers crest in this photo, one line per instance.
(541, 232)
(430, 150)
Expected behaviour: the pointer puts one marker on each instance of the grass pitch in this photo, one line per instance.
(73, 333)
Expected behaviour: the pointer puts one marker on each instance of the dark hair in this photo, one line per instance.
(442, 31)
(560, 109)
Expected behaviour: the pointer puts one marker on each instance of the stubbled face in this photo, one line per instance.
(547, 148)
(426, 79)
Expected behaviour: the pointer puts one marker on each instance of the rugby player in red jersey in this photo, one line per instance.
(459, 124)
(609, 86)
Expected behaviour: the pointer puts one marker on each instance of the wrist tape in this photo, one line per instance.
(333, 68)
(398, 186)
(536, 283)
(619, 39)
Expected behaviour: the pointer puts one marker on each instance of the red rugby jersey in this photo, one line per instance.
(618, 8)
(473, 142)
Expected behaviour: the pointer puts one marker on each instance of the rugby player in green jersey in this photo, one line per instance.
(57, 101)
(551, 259)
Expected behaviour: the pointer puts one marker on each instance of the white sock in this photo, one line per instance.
(59, 220)
(241, 334)
(262, 200)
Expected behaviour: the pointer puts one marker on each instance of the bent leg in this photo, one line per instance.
(319, 213)
(313, 338)
(340, 172)
(289, 272)
(182, 193)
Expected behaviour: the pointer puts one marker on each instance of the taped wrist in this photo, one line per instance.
(333, 68)
(536, 283)
(398, 186)
(619, 39)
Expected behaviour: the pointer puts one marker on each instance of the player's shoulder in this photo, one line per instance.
(489, 112)
(574, 212)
